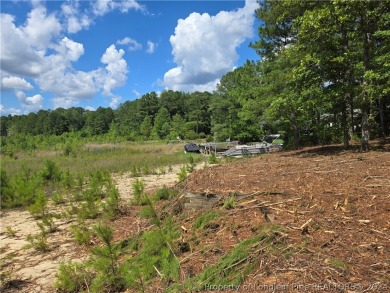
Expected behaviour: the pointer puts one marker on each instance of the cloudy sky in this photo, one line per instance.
(102, 53)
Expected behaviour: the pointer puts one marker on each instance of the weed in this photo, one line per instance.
(73, 277)
(81, 233)
(135, 171)
(47, 225)
(58, 198)
(212, 159)
(164, 193)
(38, 242)
(10, 232)
(191, 165)
(146, 170)
(39, 208)
(205, 219)
(337, 263)
(229, 203)
(235, 266)
(138, 191)
(182, 174)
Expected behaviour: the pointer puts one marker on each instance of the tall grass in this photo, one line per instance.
(112, 158)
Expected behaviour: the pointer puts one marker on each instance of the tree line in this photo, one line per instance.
(322, 77)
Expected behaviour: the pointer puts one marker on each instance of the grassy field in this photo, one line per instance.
(113, 158)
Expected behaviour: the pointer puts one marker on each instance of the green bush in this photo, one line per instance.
(39, 208)
(212, 159)
(50, 171)
(138, 191)
(38, 242)
(112, 203)
(155, 254)
(182, 174)
(81, 233)
(164, 193)
(6, 190)
(72, 277)
(105, 262)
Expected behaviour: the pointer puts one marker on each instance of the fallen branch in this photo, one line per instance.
(264, 205)
(306, 224)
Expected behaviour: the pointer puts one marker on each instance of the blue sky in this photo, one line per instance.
(103, 53)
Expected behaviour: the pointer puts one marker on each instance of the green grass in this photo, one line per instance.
(206, 218)
(112, 158)
(233, 267)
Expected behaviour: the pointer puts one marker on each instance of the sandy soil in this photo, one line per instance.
(33, 271)
(30, 270)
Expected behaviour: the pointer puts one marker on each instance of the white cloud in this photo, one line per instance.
(89, 108)
(28, 52)
(116, 69)
(151, 47)
(18, 57)
(102, 7)
(74, 20)
(40, 28)
(10, 111)
(70, 50)
(132, 45)
(31, 104)
(137, 93)
(15, 82)
(115, 101)
(62, 103)
(204, 47)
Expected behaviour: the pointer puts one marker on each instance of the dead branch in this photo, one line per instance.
(306, 224)
(265, 204)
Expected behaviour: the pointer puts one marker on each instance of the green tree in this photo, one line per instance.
(161, 125)
(146, 127)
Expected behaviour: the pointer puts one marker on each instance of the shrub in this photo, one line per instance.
(39, 208)
(212, 159)
(155, 256)
(58, 198)
(72, 277)
(10, 231)
(112, 203)
(81, 233)
(138, 191)
(182, 174)
(164, 193)
(105, 262)
(50, 171)
(7, 194)
(38, 242)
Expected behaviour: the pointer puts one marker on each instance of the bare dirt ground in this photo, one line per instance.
(30, 270)
(331, 206)
(33, 271)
